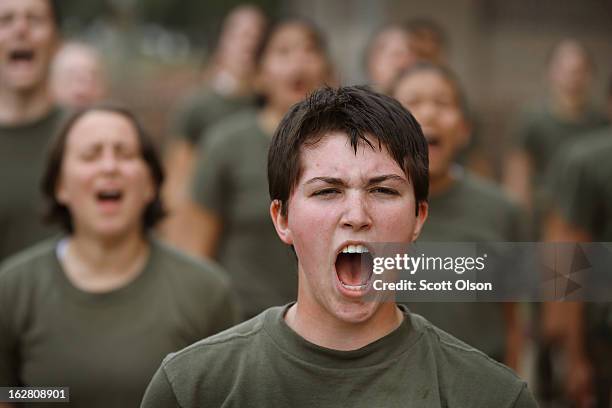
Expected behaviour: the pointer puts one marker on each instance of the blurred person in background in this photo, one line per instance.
(227, 88)
(78, 78)
(395, 47)
(29, 36)
(462, 208)
(98, 309)
(228, 217)
(565, 115)
(578, 188)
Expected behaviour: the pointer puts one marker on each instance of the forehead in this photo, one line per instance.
(428, 82)
(21, 6)
(99, 127)
(292, 34)
(333, 156)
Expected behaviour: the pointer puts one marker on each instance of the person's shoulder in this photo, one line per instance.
(591, 145)
(462, 367)
(26, 260)
(27, 269)
(191, 271)
(236, 127)
(215, 354)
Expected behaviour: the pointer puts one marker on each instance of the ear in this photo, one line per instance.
(420, 219)
(281, 223)
(61, 195)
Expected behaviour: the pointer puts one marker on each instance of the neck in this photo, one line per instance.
(568, 107)
(99, 265)
(270, 117)
(23, 107)
(325, 330)
(441, 183)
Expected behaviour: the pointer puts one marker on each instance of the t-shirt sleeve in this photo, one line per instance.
(211, 180)
(525, 399)
(159, 393)
(8, 338)
(573, 191)
(186, 122)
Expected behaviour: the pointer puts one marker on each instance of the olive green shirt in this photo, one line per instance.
(202, 109)
(264, 363)
(541, 133)
(580, 187)
(104, 346)
(472, 210)
(22, 156)
(580, 184)
(231, 181)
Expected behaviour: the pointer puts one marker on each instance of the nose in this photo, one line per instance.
(356, 214)
(21, 26)
(109, 163)
(425, 113)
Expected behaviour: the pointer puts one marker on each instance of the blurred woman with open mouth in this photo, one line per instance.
(98, 309)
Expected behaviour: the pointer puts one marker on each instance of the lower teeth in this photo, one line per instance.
(354, 287)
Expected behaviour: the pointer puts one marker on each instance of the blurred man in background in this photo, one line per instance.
(581, 211)
(566, 114)
(78, 78)
(29, 37)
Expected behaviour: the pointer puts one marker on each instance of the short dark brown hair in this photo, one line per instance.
(358, 112)
(57, 212)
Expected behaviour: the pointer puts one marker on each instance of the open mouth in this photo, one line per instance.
(432, 140)
(109, 196)
(22, 55)
(354, 267)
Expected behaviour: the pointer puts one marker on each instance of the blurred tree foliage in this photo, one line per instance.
(199, 20)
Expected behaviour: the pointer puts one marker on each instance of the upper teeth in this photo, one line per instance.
(354, 249)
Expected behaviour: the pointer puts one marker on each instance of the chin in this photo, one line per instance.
(355, 312)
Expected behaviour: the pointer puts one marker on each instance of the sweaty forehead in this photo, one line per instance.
(333, 156)
(21, 6)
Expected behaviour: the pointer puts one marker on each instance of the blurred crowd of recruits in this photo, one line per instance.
(215, 194)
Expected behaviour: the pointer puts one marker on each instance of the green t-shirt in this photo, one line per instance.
(231, 181)
(22, 156)
(202, 109)
(104, 346)
(580, 184)
(541, 133)
(472, 210)
(264, 363)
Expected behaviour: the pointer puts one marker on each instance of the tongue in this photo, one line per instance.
(348, 268)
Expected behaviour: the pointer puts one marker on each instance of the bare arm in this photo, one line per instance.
(566, 319)
(178, 165)
(197, 230)
(517, 177)
(514, 336)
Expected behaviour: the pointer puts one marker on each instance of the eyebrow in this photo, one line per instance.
(339, 182)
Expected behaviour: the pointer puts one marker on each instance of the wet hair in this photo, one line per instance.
(59, 213)
(366, 117)
(442, 71)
